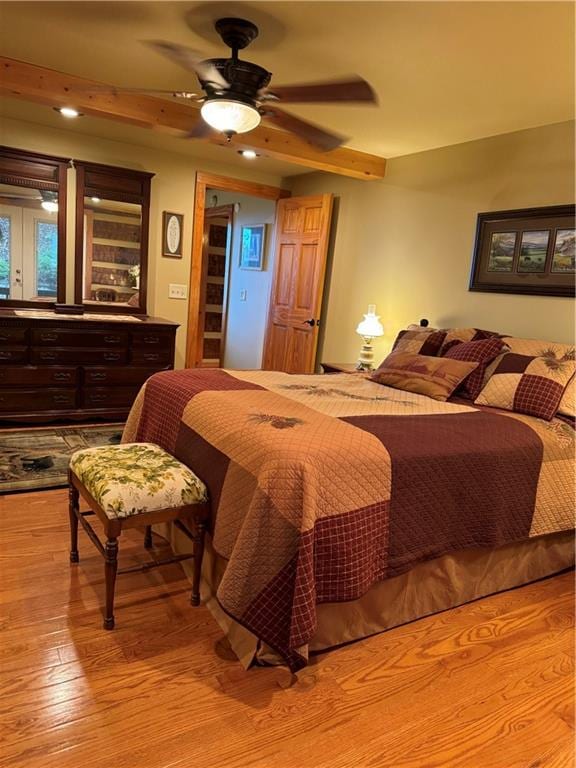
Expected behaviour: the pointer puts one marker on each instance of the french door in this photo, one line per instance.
(28, 253)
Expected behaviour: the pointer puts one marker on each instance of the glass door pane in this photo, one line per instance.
(10, 252)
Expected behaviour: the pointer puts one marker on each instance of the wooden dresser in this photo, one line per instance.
(57, 366)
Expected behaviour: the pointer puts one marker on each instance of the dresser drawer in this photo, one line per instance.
(13, 355)
(13, 336)
(31, 400)
(28, 376)
(152, 339)
(70, 337)
(54, 355)
(151, 357)
(109, 397)
(127, 376)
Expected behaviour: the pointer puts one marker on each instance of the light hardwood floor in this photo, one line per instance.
(488, 685)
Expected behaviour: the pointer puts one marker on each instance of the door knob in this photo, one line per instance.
(311, 322)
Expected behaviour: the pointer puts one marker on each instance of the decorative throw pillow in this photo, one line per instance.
(460, 335)
(527, 384)
(481, 352)
(436, 377)
(419, 342)
(542, 348)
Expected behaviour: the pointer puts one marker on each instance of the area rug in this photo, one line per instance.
(34, 459)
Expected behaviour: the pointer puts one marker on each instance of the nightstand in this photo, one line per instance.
(340, 368)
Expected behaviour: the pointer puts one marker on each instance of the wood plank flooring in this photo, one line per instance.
(487, 685)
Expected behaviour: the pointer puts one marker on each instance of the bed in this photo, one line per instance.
(342, 507)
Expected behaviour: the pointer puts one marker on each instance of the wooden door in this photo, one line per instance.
(301, 245)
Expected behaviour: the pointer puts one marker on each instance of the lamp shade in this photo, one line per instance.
(230, 116)
(371, 326)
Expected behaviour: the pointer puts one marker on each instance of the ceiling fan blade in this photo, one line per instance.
(352, 89)
(112, 90)
(190, 60)
(313, 134)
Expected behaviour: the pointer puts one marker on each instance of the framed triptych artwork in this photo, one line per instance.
(529, 251)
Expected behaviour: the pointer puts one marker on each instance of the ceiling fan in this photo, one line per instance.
(238, 94)
(48, 200)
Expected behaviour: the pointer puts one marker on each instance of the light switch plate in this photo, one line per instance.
(242, 295)
(176, 291)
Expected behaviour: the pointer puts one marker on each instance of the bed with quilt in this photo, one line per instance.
(347, 504)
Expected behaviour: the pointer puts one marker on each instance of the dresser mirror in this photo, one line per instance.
(32, 229)
(112, 211)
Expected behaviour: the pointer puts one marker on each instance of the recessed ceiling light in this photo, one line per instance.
(95, 199)
(69, 112)
(248, 153)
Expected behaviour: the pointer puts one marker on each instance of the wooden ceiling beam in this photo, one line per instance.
(47, 86)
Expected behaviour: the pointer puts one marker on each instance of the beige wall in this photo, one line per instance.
(405, 243)
(172, 190)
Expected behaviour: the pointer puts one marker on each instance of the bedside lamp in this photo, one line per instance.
(369, 329)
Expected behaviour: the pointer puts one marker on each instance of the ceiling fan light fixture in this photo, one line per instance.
(230, 116)
(50, 206)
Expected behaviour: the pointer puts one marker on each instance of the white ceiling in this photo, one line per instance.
(445, 72)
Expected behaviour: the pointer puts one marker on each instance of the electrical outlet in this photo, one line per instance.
(242, 295)
(176, 291)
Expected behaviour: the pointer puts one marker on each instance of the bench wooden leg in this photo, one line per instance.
(110, 568)
(148, 537)
(73, 511)
(197, 567)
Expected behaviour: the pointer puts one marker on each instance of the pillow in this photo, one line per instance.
(481, 352)
(436, 377)
(528, 384)
(567, 405)
(459, 335)
(540, 347)
(419, 342)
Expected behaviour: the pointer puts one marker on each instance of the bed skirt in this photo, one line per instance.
(430, 587)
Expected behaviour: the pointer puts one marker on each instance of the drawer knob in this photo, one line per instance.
(48, 337)
(97, 398)
(3, 337)
(111, 339)
(151, 339)
(48, 356)
(5, 355)
(60, 398)
(151, 356)
(97, 376)
(111, 356)
(62, 376)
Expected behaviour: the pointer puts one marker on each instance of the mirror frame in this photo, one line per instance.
(113, 183)
(43, 172)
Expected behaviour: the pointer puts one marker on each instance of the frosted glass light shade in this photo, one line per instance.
(230, 116)
(371, 326)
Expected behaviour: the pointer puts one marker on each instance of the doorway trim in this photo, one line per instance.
(205, 181)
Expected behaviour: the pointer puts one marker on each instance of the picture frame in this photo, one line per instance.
(252, 242)
(172, 234)
(525, 251)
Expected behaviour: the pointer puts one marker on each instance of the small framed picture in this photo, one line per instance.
(501, 255)
(533, 250)
(172, 227)
(564, 254)
(252, 239)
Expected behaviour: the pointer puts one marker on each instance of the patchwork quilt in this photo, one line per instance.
(322, 486)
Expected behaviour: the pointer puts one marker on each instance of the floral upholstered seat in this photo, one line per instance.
(134, 478)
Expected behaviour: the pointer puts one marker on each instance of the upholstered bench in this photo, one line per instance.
(130, 485)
